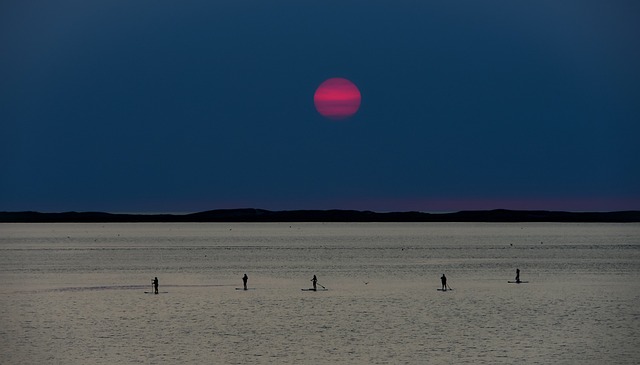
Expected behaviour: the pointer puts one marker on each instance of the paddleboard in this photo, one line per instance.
(246, 289)
(444, 289)
(314, 289)
(150, 292)
(517, 282)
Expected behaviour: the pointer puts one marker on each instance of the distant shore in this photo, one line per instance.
(261, 215)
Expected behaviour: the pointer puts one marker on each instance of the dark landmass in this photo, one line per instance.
(260, 215)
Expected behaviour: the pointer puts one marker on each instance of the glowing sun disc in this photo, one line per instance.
(337, 98)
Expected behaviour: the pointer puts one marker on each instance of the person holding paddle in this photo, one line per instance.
(154, 282)
(443, 279)
(245, 278)
(315, 282)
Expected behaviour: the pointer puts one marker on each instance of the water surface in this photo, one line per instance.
(75, 293)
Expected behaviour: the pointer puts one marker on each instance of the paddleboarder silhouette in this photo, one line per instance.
(155, 285)
(517, 275)
(245, 278)
(314, 281)
(443, 279)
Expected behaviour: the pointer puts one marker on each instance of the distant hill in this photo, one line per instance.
(261, 215)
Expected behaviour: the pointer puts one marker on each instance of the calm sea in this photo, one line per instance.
(77, 293)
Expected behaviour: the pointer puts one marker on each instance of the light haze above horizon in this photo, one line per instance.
(166, 106)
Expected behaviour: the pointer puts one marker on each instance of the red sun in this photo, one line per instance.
(337, 98)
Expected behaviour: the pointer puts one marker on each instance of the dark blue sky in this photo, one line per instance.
(180, 106)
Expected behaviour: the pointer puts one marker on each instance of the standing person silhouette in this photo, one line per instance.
(443, 279)
(517, 275)
(314, 281)
(245, 278)
(155, 285)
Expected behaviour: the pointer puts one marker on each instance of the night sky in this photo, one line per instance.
(183, 106)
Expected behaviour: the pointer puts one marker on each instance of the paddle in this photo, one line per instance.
(321, 285)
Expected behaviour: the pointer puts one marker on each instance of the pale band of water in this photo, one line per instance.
(75, 293)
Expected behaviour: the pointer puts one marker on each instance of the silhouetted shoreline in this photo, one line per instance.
(261, 215)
